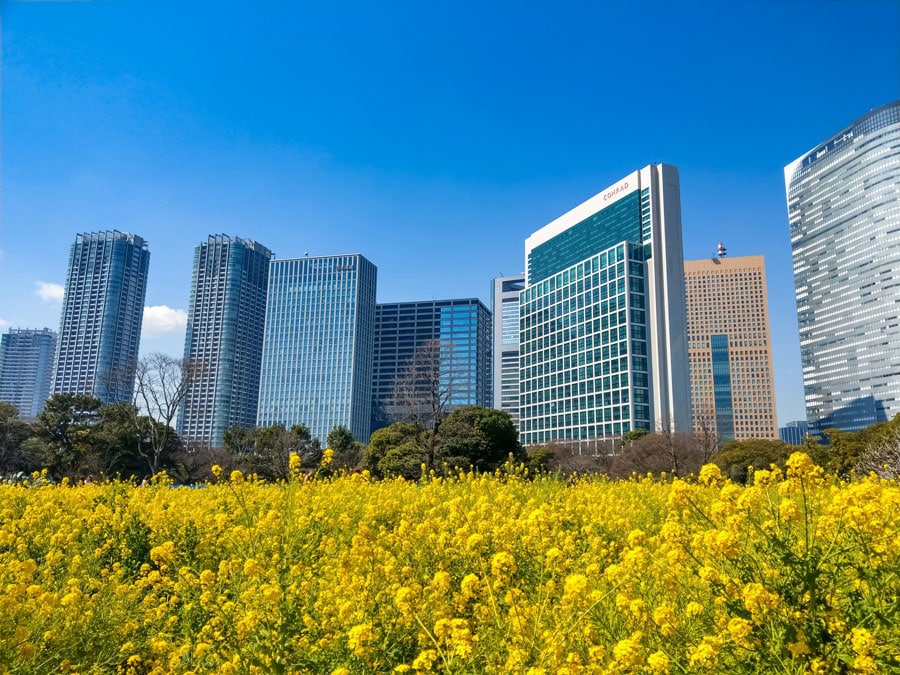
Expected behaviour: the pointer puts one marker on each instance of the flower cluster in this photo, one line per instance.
(503, 573)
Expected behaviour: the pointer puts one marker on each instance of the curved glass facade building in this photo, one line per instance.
(319, 345)
(603, 346)
(843, 200)
(102, 313)
(224, 337)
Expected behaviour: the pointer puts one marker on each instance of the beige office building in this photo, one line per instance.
(730, 347)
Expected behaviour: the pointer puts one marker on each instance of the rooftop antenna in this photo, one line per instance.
(721, 251)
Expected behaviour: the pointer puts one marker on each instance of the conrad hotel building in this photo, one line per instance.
(602, 318)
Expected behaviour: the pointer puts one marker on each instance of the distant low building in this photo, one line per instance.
(793, 433)
(26, 369)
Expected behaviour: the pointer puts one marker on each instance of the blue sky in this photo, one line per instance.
(432, 137)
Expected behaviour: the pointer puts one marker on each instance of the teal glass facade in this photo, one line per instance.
(618, 222)
(603, 347)
(459, 328)
(843, 200)
(318, 348)
(224, 337)
(584, 353)
(721, 372)
(102, 313)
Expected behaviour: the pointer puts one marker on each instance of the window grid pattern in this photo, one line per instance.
(844, 211)
(318, 348)
(102, 313)
(463, 328)
(224, 337)
(728, 297)
(584, 370)
(26, 369)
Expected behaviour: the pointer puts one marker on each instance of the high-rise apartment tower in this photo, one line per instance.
(603, 348)
(26, 368)
(319, 344)
(730, 348)
(438, 351)
(224, 337)
(505, 293)
(843, 200)
(102, 312)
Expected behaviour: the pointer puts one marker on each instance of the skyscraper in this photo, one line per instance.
(730, 348)
(224, 337)
(505, 305)
(102, 311)
(843, 200)
(319, 343)
(26, 368)
(603, 347)
(449, 339)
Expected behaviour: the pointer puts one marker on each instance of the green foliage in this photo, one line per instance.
(64, 428)
(480, 437)
(14, 454)
(396, 450)
(341, 440)
(737, 456)
(539, 459)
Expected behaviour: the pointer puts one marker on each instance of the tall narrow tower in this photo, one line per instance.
(843, 200)
(224, 337)
(505, 293)
(102, 311)
(603, 348)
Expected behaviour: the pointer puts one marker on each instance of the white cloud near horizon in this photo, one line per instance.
(49, 292)
(160, 320)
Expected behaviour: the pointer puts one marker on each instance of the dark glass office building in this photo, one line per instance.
(224, 337)
(455, 334)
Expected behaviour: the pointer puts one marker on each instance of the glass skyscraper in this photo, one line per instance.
(505, 305)
(319, 343)
(224, 337)
(102, 312)
(843, 200)
(602, 318)
(730, 348)
(456, 333)
(26, 369)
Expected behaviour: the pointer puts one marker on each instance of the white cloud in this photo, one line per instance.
(49, 292)
(160, 320)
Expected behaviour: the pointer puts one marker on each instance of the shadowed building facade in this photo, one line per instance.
(730, 348)
(224, 337)
(454, 334)
(505, 293)
(843, 200)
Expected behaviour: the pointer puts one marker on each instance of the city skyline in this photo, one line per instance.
(432, 157)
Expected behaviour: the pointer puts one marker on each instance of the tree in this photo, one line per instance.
(62, 431)
(346, 449)
(14, 432)
(480, 437)
(425, 388)
(736, 457)
(657, 452)
(397, 450)
(882, 454)
(266, 451)
(161, 383)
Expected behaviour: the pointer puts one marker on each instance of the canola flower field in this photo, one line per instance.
(504, 573)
